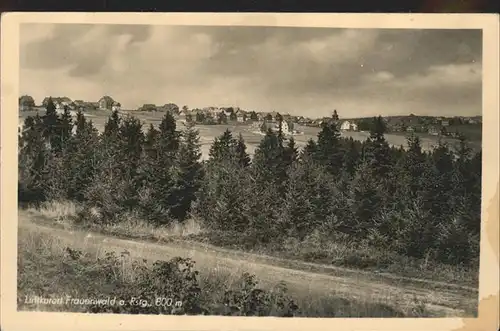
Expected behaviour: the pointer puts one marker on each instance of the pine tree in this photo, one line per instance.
(297, 217)
(291, 152)
(131, 144)
(50, 118)
(223, 147)
(241, 152)
(329, 150)
(112, 126)
(158, 171)
(189, 173)
(377, 151)
(51, 125)
(268, 160)
(309, 151)
(351, 158)
(83, 163)
(466, 196)
(335, 116)
(222, 200)
(151, 140)
(414, 166)
(80, 122)
(33, 159)
(367, 200)
(169, 137)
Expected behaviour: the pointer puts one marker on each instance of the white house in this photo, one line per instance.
(348, 126)
(285, 128)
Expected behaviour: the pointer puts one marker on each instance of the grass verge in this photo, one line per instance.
(314, 250)
(48, 269)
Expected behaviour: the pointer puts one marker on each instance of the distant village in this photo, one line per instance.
(437, 126)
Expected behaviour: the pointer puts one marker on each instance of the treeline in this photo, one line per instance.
(409, 202)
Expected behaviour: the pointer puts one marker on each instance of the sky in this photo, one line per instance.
(300, 71)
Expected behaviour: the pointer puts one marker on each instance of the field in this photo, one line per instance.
(252, 139)
(48, 269)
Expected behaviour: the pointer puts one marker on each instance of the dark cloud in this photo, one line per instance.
(56, 50)
(401, 52)
(268, 67)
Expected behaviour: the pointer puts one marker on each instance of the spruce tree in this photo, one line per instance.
(52, 128)
(222, 201)
(224, 147)
(241, 152)
(377, 151)
(351, 158)
(80, 122)
(268, 161)
(150, 140)
(112, 126)
(158, 170)
(414, 166)
(297, 212)
(291, 152)
(329, 150)
(367, 200)
(131, 144)
(83, 162)
(33, 161)
(309, 151)
(169, 137)
(189, 173)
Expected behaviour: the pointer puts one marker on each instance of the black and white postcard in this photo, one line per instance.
(249, 171)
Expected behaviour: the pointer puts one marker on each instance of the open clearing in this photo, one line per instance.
(441, 300)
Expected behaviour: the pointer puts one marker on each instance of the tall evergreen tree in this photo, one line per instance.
(329, 150)
(80, 122)
(367, 200)
(112, 126)
(268, 159)
(169, 137)
(83, 163)
(189, 173)
(291, 152)
(52, 127)
(66, 126)
(377, 150)
(351, 158)
(151, 139)
(241, 152)
(33, 161)
(309, 150)
(413, 166)
(223, 147)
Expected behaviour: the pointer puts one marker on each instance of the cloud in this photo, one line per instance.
(357, 71)
(379, 77)
(82, 48)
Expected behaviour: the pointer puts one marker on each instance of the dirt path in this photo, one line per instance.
(445, 301)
